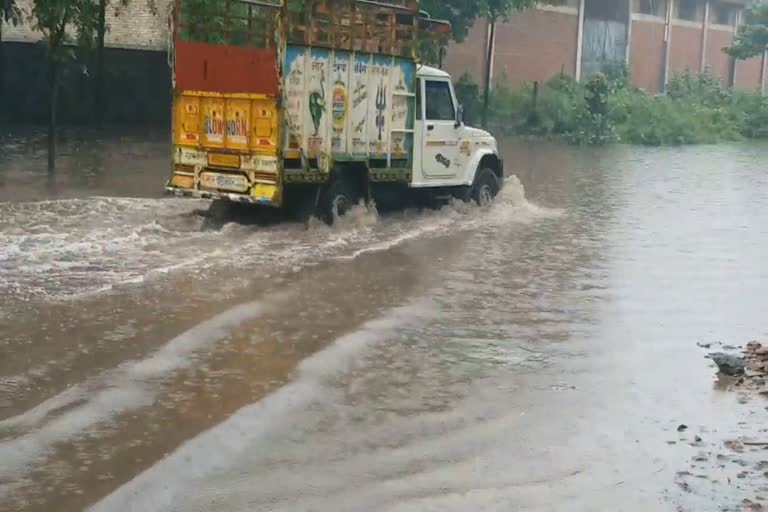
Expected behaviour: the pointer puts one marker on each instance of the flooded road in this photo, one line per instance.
(539, 355)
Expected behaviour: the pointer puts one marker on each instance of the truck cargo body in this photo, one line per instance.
(263, 107)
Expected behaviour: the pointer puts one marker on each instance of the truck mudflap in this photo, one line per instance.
(214, 195)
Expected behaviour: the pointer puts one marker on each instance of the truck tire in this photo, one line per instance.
(485, 187)
(221, 212)
(335, 201)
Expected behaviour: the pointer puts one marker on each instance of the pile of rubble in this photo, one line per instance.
(751, 367)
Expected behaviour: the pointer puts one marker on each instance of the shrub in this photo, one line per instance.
(696, 109)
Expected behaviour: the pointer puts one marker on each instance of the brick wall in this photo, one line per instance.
(469, 56)
(748, 73)
(536, 45)
(718, 61)
(646, 58)
(685, 49)
(134, 26)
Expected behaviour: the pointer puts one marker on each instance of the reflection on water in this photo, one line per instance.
(538, 355)
(88, 163)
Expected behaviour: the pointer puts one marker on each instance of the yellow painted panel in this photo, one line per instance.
(264, 190)
(213, 122)
(187, 120)
(224, 160)
(237, 121)
(183, 181)
(264, 116)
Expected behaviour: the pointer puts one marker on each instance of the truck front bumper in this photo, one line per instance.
(213, 195)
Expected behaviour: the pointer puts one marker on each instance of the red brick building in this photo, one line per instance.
(656, 38)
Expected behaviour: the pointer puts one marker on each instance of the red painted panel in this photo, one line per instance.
(225, 69)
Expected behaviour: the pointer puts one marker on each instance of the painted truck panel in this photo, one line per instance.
(225, 68)
(348, 106)
(237, 122)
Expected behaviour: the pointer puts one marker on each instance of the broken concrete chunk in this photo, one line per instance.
(729, 364)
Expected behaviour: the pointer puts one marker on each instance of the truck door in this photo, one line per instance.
(440, 146)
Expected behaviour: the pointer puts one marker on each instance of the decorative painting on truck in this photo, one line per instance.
(379, 103)
(358, 143)
(353, 106)
(213, 122)
(339, 101)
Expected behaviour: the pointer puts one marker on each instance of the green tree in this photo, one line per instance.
(10, 13)
(461, 13)
(56, 19)
(93, 33)
(752, 37)
(92, 39)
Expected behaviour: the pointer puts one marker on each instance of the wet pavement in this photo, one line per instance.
(539, 355)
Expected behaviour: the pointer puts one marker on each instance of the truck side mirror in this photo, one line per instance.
(459, 116)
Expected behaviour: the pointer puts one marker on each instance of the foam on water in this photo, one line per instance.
(216, 449)
(127, 387)
(58, 248)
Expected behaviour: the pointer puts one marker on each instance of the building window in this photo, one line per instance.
(651, 7)
(689, 10)
(724, 14)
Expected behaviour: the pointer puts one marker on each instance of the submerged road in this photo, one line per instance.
(538, 355)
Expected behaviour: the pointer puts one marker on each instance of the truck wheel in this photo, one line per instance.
(335, 201)
(485, 188)
(220, 212)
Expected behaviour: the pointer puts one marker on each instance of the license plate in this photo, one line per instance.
(225, 182)
(224, 160)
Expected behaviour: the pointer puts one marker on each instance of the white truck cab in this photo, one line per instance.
(448, 153)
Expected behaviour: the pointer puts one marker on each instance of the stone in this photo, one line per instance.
(701, 457)
(729, 364)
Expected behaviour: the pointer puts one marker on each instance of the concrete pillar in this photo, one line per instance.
(704, 30)
(579, 39)
(763, 72)
(629, 31)
(667, 43)
(734, 62)
(491, 52)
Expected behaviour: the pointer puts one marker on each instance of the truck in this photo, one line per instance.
(319, 105)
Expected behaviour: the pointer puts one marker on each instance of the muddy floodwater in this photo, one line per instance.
(538, 355)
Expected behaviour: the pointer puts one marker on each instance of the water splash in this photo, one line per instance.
(65, 249)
